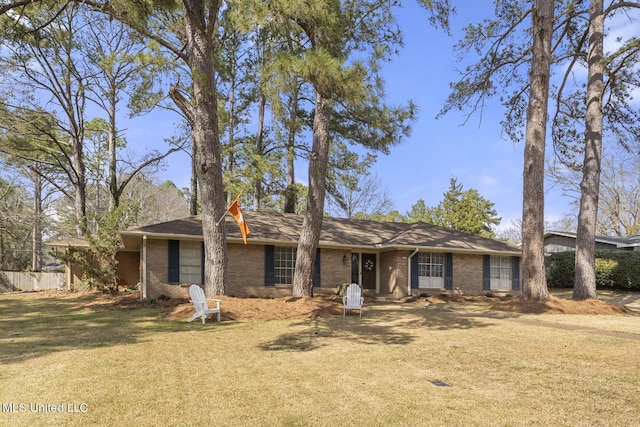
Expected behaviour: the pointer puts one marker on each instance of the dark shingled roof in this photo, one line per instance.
(273, 228)
(621, 242)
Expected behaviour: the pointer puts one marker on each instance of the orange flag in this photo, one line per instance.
(237, 214)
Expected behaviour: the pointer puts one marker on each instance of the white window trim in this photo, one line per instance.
(284, 268)
(433, 259)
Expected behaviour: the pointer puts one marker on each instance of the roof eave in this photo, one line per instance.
(382, 248)
(471, 251)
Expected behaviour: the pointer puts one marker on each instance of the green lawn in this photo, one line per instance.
(132, 367)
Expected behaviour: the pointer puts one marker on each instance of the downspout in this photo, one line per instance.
(409, 270)
(143, 294)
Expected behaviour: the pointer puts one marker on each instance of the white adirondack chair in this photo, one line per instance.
(353, 300)
(199, 301)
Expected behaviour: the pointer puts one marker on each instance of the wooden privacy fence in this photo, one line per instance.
(30, 281)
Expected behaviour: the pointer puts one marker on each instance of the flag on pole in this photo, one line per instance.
(237, 214)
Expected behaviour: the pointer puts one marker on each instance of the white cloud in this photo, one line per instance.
(489, 181)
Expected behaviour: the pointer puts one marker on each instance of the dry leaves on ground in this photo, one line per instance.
(264, 309)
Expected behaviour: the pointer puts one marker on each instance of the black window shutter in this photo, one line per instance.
(316, 272)
(269, 265)
(174, 261)
(448, 271)
(486, 272)
(515, 273)
(414, 271)
(202, 263)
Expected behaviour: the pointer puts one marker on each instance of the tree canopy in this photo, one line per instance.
(463, 210)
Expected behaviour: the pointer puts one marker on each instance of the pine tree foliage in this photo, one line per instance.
(332, 37)
(323, 62)
(463, 210)
(466, 210)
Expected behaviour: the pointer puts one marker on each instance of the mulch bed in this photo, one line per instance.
(235, 308)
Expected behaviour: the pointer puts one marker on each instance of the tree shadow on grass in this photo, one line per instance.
(33, 327)
(386, 324)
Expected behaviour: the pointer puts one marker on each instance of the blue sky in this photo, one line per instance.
(420, 168)
(475, 152)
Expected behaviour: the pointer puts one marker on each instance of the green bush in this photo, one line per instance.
(560, 269)
(605, 268)
(618, 270)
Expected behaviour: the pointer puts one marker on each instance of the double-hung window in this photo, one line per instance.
(280, 265)
(431, 270)
(501, 272)
(190, 261)
(185, 263)
(285, 264)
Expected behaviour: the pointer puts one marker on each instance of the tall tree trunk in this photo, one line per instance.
(36, 258)
(534, 283)
(312, 223)
(193, 187)
(232, 131)
(202, 111)
(114, 201)
(73, 106)
(290, 196)
(257, 188)
(80, 188)
(585, 277)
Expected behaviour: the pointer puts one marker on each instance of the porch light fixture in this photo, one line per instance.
(344, 259)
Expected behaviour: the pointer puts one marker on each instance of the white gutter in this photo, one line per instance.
(143, 293)
(416, 250)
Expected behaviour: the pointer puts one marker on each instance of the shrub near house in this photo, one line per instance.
(615, 269)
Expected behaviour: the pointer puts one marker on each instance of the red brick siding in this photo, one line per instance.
(128, 268)
(393, 273)
(157, 272)
(246, 272)
(334, 271)
(467, 273)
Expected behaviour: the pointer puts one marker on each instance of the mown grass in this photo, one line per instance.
(132, 367)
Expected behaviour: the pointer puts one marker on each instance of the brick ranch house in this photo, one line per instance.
(386, 258)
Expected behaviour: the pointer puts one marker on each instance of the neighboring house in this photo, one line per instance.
(396, 259)
(562, 241)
